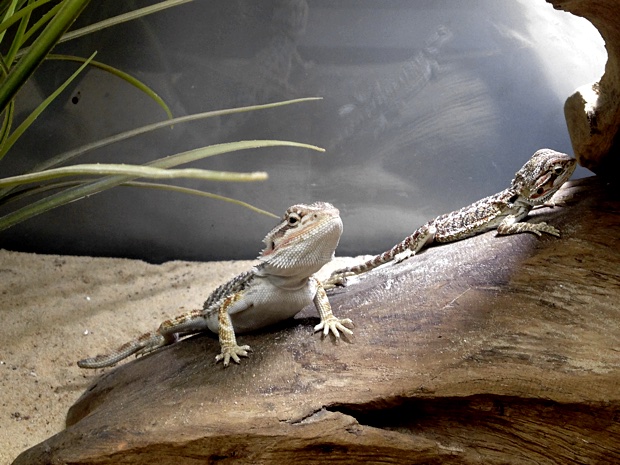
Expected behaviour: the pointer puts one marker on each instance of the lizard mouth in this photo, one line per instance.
(546, 190)
(549, 184)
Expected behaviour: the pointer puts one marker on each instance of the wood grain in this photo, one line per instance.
(488, 350)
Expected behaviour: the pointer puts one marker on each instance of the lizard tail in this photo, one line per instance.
(143, 345)
(404, 249)
(385, 257)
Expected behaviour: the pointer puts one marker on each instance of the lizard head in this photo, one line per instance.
(304, 241)
(543, 175)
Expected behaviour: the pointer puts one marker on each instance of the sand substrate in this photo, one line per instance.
(55, 310)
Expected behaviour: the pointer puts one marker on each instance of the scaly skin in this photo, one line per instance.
(272, 291)
(533, 185)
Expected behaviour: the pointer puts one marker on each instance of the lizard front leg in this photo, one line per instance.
(226, 333)
(511, 225)
(328, 321)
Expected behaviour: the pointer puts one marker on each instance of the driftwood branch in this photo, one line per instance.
(488, 350)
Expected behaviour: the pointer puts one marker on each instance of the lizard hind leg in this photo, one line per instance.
(414, 243)
(170, 331)
(226, 333)
(167, 333)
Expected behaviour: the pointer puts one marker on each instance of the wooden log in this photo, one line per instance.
(489, 350)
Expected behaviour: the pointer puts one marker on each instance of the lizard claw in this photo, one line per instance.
(336, 280)
(334, 324)
(232, 352)
(546, 228)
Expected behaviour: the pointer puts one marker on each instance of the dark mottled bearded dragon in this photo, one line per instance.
(533, 185)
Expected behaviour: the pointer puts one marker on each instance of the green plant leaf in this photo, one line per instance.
(27, 192)
(7, 16)
(37, 111)
(129, 16)
(48, 38)
(19, 34)
(36, 27)
(7, 121)
(71, 154)
(118, 73)
(94, 187)
(74, 153)
(136, 171)
(186, 190)
(4, 67)
(219, 149)
(17, 16)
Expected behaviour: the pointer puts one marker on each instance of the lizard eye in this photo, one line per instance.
(293, 220)
(558, 170)
(540, 191)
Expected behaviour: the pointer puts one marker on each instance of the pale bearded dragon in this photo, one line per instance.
(534, 184)
(274, 290)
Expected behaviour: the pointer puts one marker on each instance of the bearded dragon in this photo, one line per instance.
(274, 290)
(533, 185)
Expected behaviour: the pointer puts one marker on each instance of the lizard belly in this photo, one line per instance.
(264, 304)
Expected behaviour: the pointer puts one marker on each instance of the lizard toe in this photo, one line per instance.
(334, 325)
(232, 352)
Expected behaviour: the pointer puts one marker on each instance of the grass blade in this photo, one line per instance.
(46, 18)
(19, 34)
(7, 16)
(120, 74)
(7, 122)
(37, 111)
(219, 149)
(48, 38)
(135, 171)
(25, 11)
(129, 16)
(186, 190)
(94, 187)
(71, 154)
(27, 192)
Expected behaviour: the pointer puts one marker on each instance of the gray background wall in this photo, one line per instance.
(428, 106)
